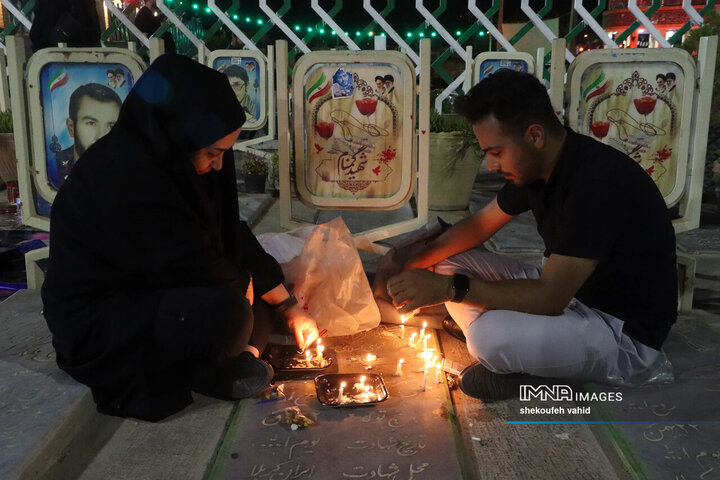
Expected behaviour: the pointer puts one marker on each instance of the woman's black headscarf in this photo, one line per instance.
(134, 216)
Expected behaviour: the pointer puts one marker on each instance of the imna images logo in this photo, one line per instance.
(559, 393)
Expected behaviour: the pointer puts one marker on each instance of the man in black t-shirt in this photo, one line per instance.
(607, 296)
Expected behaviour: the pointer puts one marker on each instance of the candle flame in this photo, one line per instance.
(413, 335)
(424, 325)
(367, 388)
(320, 348)
(342, 385)
(307, 354)
(403, 318)
(362, 379)
(402, 360)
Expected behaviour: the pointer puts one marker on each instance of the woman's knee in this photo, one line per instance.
(208, 322)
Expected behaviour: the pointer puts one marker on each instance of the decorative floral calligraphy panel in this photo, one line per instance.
(637, 109)
(353, 130)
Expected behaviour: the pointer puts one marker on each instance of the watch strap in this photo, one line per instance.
(286, 304)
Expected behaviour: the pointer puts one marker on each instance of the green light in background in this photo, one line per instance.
(421, 34)
(259, 22)
(370, 34)
(322, 30)
(333, 33)
(248, 19)
(357, 34)
(433, 34)
(207, 10)
(297, 28)
(458, 33)
(409, 34)
(482, 34)
(235, 17)
(195, 6)
(309, 29)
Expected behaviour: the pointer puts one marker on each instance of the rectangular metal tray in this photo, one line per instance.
(327, 388)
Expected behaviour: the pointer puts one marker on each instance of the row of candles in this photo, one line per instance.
(431, 361)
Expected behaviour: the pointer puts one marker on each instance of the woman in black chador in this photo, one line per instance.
(154, 287)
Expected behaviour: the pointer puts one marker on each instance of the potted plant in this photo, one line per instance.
(275, 182)
(8, 161)
(255, 171)
(455, 158)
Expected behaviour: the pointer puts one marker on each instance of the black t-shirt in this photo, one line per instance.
(599, 204)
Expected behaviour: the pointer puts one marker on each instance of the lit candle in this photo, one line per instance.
(425, 339)
(403, 319)
(367, 394)
(398, 369)
(362, 381)
(425, 376)
(341, 399)
(307, 358)
(412, 339)
(437, 372)
(422, 330)
(370, 357)
(320, 349)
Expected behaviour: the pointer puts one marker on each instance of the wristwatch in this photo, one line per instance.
(460, 287)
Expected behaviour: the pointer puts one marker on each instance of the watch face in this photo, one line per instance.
(461, 286)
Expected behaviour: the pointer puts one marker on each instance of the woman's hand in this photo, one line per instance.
(303, 326)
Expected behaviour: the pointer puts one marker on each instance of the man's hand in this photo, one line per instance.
(419, 288)
(303, 326)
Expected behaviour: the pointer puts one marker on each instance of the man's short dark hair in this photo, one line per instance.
(379, 77)
(660, 75)
(515, 99)
(389, 78)
(120, 71)
(96, 91)
(237, 71)
(670, 76)
(109, 71)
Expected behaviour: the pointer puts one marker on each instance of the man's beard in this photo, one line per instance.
(79, 149)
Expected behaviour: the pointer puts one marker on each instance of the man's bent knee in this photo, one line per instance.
(489, 341)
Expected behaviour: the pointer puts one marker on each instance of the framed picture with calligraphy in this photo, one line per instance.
(487, 63)
(247, 72)
(354, 119)
(74, 99)
(640, 102)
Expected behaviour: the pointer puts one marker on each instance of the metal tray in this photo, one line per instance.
(327, 388)
(288, 358)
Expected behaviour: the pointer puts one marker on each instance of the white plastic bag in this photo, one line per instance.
(323, 269)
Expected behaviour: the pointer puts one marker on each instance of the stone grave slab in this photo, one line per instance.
(673, 430)
(411, 435)
(38, 401)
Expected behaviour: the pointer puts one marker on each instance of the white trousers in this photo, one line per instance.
(582, 343)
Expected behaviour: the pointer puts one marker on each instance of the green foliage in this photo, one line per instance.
(455, 123)
(254, 165)
(6, 122)
(691, 44)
